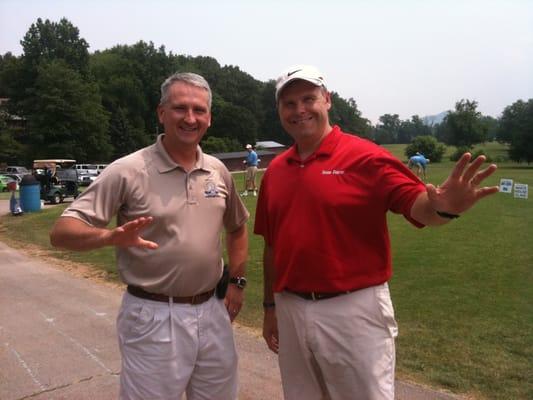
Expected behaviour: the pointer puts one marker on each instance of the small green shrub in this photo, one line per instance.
(428, 146)
(480, 152)
(465, 149)
(456, 155)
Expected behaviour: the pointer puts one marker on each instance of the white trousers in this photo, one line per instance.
(170, 349)
(339, 348)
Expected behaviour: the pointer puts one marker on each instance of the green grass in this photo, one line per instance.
(35, 227)
(462, 295)
(496, 151)
(462, 292)
(6, 195)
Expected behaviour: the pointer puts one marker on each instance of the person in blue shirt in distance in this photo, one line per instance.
(250, 162)
(420, 162)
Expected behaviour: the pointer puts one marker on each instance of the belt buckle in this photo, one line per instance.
(193, 299)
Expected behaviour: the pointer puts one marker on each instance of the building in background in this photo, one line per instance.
(266, 151)
(270, 145)
(233, 160)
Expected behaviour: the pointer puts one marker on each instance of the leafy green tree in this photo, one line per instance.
(208, 67)
(11, 151)
(345, 114)
(387, 130)
(231, 121)
(65, 116)
(49, 87)
(410, 129)
(516, 128)
(428, 146)
(125, 138)
(128, 79)
(47, 41)
(464, 126)
(6, 62)
(270, 127)
(124, 98)
(147, 67)
(239, 88)
(213, 144)
(44, 42)
(492, 124)
(14, 83)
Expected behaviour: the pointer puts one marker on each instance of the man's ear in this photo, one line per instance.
(327, 96)
(160, 112)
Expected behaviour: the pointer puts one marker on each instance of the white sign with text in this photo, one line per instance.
(506, 185)
(520, 190)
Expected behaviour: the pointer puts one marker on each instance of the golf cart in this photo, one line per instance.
(58, 179)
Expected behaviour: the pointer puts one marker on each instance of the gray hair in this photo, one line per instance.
(189, 78)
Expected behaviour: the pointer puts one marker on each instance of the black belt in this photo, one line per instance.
(318, 295)
(196, 299)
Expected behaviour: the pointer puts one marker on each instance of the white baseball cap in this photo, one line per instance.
(305, 72)
(248, 146)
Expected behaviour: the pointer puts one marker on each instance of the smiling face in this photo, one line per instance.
(303, 112)
(185, 115)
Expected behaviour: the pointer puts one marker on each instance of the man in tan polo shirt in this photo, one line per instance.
(172, 202)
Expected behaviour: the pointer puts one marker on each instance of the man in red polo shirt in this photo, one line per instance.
(322, 212)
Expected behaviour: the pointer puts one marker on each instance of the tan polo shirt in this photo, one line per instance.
(189, 211)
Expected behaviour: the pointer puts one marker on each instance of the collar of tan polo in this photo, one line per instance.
(164, 163)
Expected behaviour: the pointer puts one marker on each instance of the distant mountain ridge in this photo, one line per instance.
(430, 120)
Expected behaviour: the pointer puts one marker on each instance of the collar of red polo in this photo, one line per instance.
(325, 149)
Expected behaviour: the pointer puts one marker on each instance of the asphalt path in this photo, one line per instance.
(58, 338)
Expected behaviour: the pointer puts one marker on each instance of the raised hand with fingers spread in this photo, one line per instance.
(459, 192)
(129, 234)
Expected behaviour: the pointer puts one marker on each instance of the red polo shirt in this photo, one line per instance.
(325, 217)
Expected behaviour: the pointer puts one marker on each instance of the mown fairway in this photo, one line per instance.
(462, 292)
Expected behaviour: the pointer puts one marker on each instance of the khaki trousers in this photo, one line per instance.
(169, 349)
(339, 348)
(250, 178)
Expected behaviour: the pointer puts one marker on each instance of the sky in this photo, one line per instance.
(405, 57)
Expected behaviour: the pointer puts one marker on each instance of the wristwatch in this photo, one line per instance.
(240, 281)
(443, 214)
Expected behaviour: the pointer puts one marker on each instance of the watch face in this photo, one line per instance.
(239, 281)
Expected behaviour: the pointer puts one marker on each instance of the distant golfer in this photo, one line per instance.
(251, 162)
(420, 162)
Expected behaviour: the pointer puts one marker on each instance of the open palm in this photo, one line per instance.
(461, 190)
(128, 235)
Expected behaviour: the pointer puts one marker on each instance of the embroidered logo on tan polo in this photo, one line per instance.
(211, 190)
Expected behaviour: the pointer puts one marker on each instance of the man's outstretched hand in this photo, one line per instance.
(461, 190)
(128, 235)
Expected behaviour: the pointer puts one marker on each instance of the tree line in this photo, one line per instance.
(463, 127)
(100, 106)
(96, 107)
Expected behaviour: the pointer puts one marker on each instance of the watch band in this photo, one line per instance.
(240, 281)
(447, 215)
